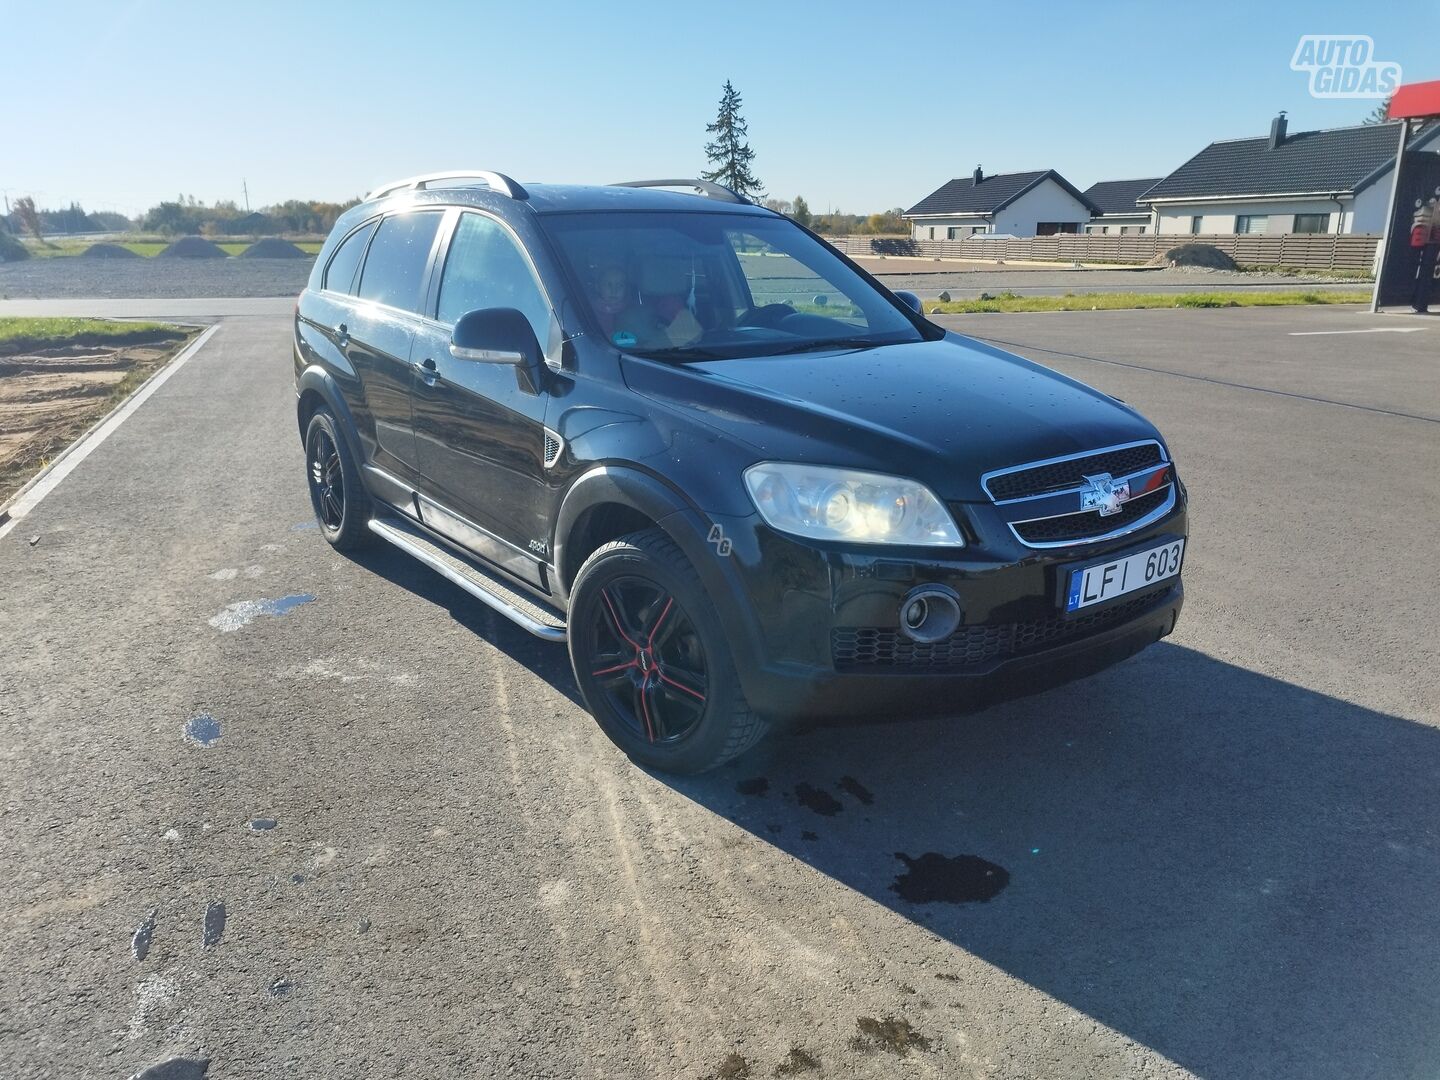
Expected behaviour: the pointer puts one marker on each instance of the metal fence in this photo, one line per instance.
(1309, 251)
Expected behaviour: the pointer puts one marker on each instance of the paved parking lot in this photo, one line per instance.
(1222, 856)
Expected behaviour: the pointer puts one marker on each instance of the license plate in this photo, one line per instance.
(1105, 581)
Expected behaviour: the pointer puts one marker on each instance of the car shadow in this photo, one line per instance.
(1235, 871)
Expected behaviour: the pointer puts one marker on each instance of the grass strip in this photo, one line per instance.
(1116, 301)
(20, 334)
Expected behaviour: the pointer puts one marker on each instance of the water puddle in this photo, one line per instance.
(140, 942)
(175, 1069)
(214, 924)
(203, 729)
(756, 785)
(949, 879)
(244, 612)
(822, 802)
(262, 824)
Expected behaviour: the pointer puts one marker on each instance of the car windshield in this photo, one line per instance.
(702, 286)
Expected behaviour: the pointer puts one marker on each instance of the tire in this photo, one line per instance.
(652, 660)
(339, 499)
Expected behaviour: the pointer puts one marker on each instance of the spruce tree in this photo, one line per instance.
(728, 152)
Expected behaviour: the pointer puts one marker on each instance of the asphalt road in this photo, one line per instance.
(1223, 856)
(181, 279)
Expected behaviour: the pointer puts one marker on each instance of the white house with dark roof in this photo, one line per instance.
(1016, 204)
(1329, 181)
(1119, 213)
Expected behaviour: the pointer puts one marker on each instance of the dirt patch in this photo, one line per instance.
(272, 247)
(50, 397)
(193, 247)
(1205, 256)
(109, 251)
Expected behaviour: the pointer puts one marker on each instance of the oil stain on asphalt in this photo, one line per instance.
(244, 612)
(893, 1034)
(949, 879)
(203, 729)
(822, 802)
(262, 824)
(853, 787)
(756, 785)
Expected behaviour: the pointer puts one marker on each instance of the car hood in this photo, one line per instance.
(943, 412)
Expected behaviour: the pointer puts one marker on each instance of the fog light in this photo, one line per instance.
(929, 613)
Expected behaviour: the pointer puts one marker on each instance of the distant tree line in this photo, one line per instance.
(838, 223)
(184, 216)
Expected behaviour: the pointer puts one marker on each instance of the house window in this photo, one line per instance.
(1128, 230)
(955, 232)
(1195, 222)
(1312, 223)
(1251, 223)
(978, 230)
(932, 232)
(1098, 230)
(1053, 228)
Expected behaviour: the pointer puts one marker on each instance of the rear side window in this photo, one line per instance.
(486, 269)
(340, 274)
(394, 271)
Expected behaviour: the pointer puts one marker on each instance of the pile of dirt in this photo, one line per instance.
(272, 247)
(193, 247)
(108, 251)
(11, 249)
(1204, 256)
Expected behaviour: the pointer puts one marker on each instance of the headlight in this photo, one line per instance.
(842, 504)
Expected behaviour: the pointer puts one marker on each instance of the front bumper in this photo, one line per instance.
(827, 622)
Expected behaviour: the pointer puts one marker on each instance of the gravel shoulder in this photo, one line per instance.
(160, 278)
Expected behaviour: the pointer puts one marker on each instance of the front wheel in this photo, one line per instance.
(652, 661)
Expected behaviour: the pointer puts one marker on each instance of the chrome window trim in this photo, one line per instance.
(985, 478)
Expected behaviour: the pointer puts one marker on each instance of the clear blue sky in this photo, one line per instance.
(857, 106)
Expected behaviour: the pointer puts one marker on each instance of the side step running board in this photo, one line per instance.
(486, 587)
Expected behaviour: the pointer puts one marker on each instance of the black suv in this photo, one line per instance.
(743, 479)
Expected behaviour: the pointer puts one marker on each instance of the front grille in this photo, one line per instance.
(875, 648)
(1087, 526)
(1059, 475)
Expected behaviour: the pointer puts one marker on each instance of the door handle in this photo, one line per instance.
(342, 335)
(429, 375)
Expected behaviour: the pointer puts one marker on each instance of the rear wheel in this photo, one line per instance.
(341, 504)
(651, 658)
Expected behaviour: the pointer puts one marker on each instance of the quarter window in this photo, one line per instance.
(394, 271)
(486, 268)
(340, 274)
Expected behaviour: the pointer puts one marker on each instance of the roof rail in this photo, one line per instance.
(703, 187)
(498, 182)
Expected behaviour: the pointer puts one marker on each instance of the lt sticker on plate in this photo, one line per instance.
(1105, 581)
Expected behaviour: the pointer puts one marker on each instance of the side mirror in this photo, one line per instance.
(499, 336)
(912, 301)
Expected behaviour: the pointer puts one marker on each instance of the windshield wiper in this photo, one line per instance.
(823, 344)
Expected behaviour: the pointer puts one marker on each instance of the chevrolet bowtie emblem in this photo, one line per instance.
(1104, 494)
